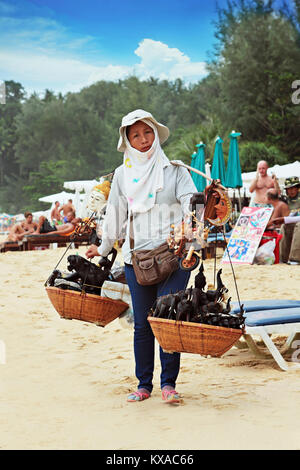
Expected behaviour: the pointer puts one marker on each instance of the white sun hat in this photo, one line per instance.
(138, 115)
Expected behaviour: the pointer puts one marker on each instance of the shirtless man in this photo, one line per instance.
(45, 227)
(28, 225)
(262, 183)
(67, 208)
(55, 213)
(280, 208)
(18, 231)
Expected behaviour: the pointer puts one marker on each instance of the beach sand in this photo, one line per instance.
(64, 382)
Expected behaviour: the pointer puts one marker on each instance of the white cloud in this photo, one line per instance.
(43, 71)
(40, 53)
(110, 73)
(37, 33)
(161, 61)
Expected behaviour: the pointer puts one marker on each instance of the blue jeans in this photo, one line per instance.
(143, 298)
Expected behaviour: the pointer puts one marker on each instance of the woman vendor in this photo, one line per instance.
(156, 194)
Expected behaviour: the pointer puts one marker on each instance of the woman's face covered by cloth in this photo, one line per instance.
(140, 136)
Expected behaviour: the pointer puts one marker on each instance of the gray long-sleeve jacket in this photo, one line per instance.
(151, 228)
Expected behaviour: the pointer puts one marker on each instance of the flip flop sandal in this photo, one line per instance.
(138, 396)
(170, 396)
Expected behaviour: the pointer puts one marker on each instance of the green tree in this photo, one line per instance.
(8, 113)
(257, 60)
(185, 140)
(252, 152)
(47, 180)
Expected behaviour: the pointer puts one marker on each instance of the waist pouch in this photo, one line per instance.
(154, 266)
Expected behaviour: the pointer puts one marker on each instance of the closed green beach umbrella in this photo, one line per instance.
(198, 162)
(218, 165)
(233, 173)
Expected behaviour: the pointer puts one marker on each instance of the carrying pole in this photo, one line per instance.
(177, 163)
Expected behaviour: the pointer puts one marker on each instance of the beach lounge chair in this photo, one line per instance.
(272, 317)
(11, 246)
(214, 241)
(218, 237)
(30, 242)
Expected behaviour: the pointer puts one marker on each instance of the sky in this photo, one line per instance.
(65, 45)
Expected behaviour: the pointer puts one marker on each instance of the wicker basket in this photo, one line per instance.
(197, 338)
(86, 307)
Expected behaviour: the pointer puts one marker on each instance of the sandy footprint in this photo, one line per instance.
(122, 390)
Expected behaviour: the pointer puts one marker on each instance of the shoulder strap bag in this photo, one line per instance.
(152, 266)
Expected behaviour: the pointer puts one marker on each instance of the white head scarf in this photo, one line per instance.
(143, 173)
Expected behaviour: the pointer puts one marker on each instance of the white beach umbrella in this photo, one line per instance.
(78, 187)
(62, 197)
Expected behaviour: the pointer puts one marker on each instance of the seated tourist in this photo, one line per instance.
(26, 227)
(28, 224)
(280, 208)
(290, 243)
(67, 228)
(16, 233)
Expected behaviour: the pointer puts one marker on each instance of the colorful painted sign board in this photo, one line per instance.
(247, 234)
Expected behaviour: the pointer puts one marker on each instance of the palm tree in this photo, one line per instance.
(184, 141)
